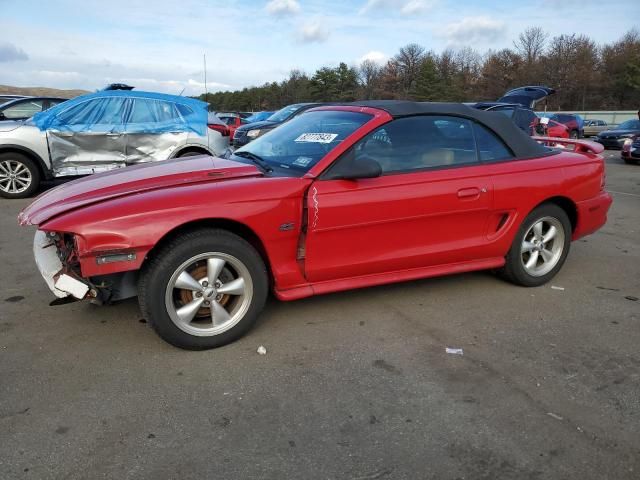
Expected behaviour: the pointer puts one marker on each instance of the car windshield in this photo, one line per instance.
(630, 125)
(284, 113)
(299, 144)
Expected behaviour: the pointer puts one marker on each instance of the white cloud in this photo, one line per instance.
(283, 7)
(405, 7)
(10, 53)
(374, 56)
(474, 30)
(314, 31)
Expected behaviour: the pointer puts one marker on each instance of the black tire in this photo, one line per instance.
(15, 159)
(574, 134)
(514, 270)
(191, 153)
(158, 271)
(630, 161)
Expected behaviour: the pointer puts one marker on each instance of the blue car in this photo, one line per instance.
(258, 117)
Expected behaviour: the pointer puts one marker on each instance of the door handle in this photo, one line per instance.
(114, 134)
(472, 192)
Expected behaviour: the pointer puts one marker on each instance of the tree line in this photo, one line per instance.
(586, 76)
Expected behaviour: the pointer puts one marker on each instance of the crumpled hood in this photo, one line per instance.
(8, 125)
(130, 180)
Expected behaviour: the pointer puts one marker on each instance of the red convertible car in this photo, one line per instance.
(340, 197)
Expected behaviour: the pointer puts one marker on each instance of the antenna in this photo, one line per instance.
(206, 91)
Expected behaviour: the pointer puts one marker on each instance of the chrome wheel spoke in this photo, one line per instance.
(234, 287)
(551, 233)
(214, 268)
(547, 255)
(533, 259)
(219, 314)
(527, 246)
(537, 231)
(187, 312)
(187, 282)
(5, 167)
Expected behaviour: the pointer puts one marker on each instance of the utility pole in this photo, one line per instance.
(206, 91)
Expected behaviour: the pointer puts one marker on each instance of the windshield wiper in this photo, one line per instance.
(259, 161)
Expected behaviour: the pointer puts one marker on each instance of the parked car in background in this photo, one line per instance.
(573, 122)
(340, 197)
(518, 104)
(27, 107)
(550, 129)
(6, 98)
(104, 131)
(616, 137)
(246, 133)
(593, 127)
(232, 120)
(259, 116)
(631, 150)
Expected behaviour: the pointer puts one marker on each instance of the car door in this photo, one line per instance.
(154, 130)
(431, 206)
(88, 137)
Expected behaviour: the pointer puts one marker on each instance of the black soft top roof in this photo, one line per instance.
(518, 141)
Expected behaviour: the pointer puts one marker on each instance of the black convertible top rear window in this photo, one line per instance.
(521, 144)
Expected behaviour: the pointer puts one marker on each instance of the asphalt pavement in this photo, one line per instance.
(354, 385)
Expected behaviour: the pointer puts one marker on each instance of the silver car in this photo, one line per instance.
(104, 131)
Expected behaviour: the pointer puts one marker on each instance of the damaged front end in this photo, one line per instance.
(57, 259)
(56, 256)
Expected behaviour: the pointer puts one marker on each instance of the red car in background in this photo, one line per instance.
(232, 120)
(549, 129)
(339, 197)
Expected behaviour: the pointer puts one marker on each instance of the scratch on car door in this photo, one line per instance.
(316, 209)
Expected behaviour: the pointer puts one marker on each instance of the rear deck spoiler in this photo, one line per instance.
(580, 146)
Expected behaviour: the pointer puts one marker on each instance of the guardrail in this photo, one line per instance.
(612, 117)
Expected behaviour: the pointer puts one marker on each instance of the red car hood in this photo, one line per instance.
(126, 181)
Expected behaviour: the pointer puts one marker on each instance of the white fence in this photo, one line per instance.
(612, 117)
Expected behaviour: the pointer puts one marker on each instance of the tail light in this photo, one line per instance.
(221, 129)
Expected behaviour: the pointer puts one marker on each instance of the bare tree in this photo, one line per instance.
(408, 61)
(369, 73)
(530, 44)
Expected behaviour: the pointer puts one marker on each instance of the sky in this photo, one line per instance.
(159, 45)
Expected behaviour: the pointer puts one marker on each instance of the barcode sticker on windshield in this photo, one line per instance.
(316, 137)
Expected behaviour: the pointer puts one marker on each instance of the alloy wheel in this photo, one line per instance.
(542, 246)
(15, 177)
(209, 294)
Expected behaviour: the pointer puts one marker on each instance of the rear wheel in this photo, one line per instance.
(204, 289)
(630, 161)
(540, 247)
(19, 176)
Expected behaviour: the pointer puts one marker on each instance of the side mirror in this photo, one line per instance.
(351, 167)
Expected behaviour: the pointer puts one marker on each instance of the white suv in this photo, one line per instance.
(103, 131)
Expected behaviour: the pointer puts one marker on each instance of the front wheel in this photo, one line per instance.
(19, 176)
(540, 247)
(204, 289)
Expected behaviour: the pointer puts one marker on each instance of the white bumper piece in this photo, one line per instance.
(50, 266)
